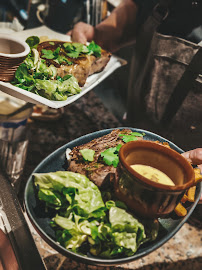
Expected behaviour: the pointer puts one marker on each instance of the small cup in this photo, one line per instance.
(146, 198)
(13, 51)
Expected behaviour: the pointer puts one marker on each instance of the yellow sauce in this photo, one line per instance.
(153, 174)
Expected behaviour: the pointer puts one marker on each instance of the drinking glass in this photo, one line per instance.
(12, 159)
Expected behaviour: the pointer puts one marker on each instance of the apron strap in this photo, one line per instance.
(141, 56)
(182, 88)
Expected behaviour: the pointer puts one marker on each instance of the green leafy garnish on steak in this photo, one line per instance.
(88, 154)
(94, 49)
(131, 137)
(110, 156)
(75, 50)
(48, 54)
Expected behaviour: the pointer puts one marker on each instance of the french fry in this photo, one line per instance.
(191, 194)
(197, 173)
(180, 210)
(166, 144)
(184, 198)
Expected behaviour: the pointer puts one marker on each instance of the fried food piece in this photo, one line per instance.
(191, 194)
(166, 144)
(180, 210)
(184, 198)
(198, 175)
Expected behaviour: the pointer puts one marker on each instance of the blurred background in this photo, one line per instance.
(60, 15)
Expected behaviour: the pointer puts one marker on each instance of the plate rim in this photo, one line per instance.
(100, 261)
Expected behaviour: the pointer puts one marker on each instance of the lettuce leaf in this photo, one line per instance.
(126, 229)
(87, 197)
(58, 89)
(84, 223)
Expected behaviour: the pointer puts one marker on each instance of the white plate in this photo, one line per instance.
(92, 81)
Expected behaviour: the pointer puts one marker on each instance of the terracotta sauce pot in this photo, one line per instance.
(147, 198)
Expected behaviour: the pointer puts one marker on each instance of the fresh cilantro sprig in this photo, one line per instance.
(74, 50)
(110, 156)
(47, 54)
(94, 49)
(55, 55)
(131, 137)
(62, 59)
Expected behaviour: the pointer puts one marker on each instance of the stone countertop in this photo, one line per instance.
(86, 115)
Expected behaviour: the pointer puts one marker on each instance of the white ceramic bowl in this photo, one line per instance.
(13, 51)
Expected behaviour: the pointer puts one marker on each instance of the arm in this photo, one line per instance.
(114, 32)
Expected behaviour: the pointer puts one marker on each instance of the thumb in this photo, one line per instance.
(194, 156)
(69, 33)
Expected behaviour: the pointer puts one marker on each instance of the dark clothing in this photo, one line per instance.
(184, 19)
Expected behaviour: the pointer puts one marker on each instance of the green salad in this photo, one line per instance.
(88, 221)
(38, 76)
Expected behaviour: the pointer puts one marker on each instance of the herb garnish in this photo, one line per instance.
(74, 50)
(131, 137)
(110, 156)
(94, 49)
(33, 41)
(88, 154)
(48, 54)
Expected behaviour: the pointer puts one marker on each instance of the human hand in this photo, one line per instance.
(194, 156)
(82, 32)
(113, 33)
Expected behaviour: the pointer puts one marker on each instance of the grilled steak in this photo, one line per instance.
(97, 171)
(81, 67)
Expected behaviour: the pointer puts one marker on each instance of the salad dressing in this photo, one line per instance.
(153, 174)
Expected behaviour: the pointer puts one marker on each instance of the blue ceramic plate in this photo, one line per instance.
(40, 220)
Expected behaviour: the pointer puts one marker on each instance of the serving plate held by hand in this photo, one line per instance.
(92, 81)
(56, 162)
